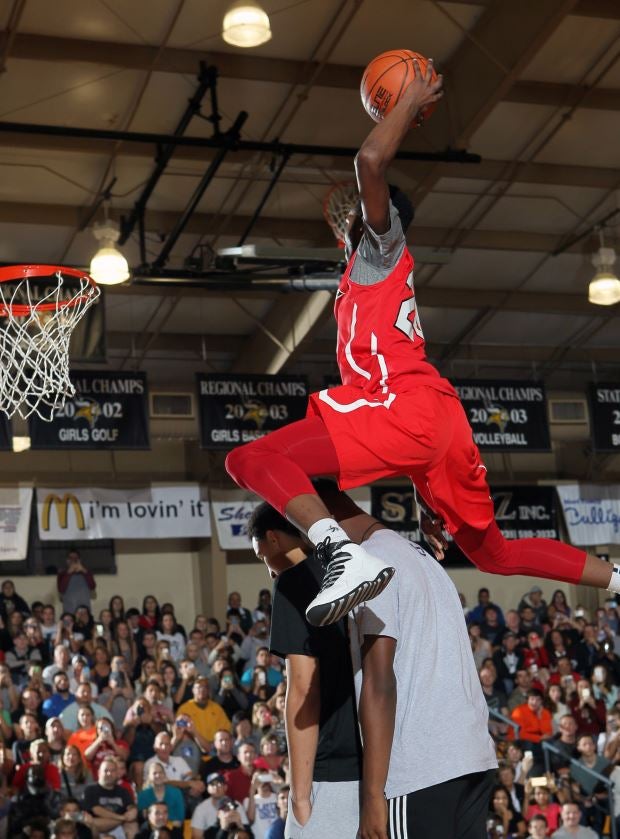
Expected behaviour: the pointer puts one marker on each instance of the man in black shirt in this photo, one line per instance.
(322, 731)
(110, 804)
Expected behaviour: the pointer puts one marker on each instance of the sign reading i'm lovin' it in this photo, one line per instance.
(506, 415)
(605, 414)
(238, 409)
(109, 411)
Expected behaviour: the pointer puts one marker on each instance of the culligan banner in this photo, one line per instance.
(592, 513)
(164, 512)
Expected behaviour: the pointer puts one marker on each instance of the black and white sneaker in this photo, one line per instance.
(351, 577)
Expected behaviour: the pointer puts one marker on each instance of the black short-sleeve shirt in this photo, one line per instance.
(339, 751)
(117, 799)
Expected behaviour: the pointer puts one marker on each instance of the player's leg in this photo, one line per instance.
(458, 490)
(278, 467)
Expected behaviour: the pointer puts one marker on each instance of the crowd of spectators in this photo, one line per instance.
(129, 724)
(551, 678)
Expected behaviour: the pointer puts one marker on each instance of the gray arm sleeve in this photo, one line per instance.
(377, 254)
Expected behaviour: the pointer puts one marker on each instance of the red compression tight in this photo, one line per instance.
(278, 467)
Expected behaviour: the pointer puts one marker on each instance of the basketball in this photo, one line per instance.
(386, 78)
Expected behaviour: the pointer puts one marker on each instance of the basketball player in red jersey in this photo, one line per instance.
(394, 414)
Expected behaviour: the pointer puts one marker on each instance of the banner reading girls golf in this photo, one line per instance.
(506, 415)
(605, 416)
(238, 409)
(109, 411)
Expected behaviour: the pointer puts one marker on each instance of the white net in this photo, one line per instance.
(338, 203)
(39, 310)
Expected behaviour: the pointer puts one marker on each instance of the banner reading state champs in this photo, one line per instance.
(158, 512)
(109, 411)
(238, 409)
(605, 416)
(506, 415)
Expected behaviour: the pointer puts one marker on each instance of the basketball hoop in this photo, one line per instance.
(338, 203)
(40, 306)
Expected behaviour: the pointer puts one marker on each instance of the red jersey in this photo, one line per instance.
(380, 340)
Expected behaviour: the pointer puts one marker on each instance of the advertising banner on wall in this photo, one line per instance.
(605, 417)
(238, 409)
(591, 513)
(525, 512)
(396, 507)
(506, 415)
(6, 443)
(162, 512)
(108, 411)
(15, 504)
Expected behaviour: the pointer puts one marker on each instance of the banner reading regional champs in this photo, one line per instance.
(108, 411)
(605, 417)
(506, 415)
(238, 409)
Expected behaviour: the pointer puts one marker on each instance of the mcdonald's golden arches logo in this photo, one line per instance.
(61, 506)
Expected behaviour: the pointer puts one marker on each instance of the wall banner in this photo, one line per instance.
(15, 504)
(592, 513)
(238, 409)
(506, 415)
(525, 512)
(605, 417)
(159, 512)
(396, 507)
(108, 411)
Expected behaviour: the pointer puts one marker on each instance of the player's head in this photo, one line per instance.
(273, 538)
(355, 227)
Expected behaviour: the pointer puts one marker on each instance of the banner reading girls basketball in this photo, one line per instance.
(506, 415)
(605, 416)
(109, 411)
(238, 409)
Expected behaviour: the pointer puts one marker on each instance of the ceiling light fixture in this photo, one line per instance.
(604, 288)
(246, 25)
(108, 266)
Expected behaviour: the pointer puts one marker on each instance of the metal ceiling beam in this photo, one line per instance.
(313, 231)
(288, 324)
(429, 298)
(553, 94)
(182, 343)
(256, 68)
(596, 177)
(485, 66)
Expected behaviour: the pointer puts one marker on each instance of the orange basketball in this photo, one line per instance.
(385, 79)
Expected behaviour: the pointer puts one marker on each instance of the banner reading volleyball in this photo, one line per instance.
(108, 411)
(506, 415)
(605, 417)
(162, 512)
(239, 409)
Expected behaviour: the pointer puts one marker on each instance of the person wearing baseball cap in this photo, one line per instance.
(206, 814)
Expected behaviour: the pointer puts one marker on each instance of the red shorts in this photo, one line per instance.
(423, 433)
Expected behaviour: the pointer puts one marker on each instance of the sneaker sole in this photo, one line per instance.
(327, 613)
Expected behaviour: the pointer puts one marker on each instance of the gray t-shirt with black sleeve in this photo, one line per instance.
(377, 254)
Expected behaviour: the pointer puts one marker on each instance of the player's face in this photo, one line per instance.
(354, 232)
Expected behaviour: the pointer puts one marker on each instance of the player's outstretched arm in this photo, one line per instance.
(383, 142)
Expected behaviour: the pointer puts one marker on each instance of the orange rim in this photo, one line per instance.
(17, 273)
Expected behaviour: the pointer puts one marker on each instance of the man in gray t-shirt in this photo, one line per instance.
(76, 584)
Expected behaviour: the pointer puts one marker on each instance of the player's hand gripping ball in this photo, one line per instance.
(388, 76)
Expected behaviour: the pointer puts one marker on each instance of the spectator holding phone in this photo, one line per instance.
(263, 659)
(207, 716)
(229, 695)
(119, 694)
(76, 585)
(588, 711)
(206, 814)
(540, 789)
(140, 732)
(236, 610)
(106, 744)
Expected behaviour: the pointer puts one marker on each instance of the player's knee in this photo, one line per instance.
(235, 463)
